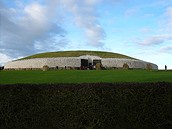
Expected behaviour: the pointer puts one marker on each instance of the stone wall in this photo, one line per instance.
(118, 63)
(38, 63)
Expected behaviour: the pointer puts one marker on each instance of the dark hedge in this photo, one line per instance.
(86, 106)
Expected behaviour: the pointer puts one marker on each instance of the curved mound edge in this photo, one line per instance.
(101, 54)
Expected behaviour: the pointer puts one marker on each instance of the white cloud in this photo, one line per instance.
(92, 2)
(36, 12)
(166, 49)
(32, 26)
(169, 12)
(4, 58)
(154, 40)
(95, 35)
(165, 33)
(23, 26)
(86, 18)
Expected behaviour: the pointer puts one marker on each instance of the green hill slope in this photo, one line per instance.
(77, 54)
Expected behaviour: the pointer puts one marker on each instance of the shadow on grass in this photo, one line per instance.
(86, 106)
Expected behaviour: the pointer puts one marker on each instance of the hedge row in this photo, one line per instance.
(86, 106)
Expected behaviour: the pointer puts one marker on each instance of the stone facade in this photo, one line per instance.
(38, 63)
(133, 64)
(62, 62)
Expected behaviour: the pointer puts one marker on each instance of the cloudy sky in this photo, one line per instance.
(138, 28)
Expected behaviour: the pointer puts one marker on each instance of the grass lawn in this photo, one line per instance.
(88, 104)
(84, 76)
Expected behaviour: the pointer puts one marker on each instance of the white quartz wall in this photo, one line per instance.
(75, 62)
(118, 63)
(40, 62)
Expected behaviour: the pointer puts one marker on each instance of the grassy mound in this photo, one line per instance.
(77, 54)
(86, 106)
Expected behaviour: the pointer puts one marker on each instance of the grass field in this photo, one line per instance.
(84, 76)
(77, 54)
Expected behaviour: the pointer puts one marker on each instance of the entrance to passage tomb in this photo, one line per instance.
(84, 62)
(89, 61)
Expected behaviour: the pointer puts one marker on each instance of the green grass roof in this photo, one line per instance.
(77, 54)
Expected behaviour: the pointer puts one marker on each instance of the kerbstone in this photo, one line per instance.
(38, 63)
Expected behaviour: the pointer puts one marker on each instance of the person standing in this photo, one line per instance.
(165, 67)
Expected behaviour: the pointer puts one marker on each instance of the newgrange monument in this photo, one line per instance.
(78, 60)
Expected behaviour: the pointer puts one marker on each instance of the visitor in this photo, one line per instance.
(165, 67)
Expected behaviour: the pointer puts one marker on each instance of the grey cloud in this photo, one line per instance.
(35, 25)
(20, 31)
